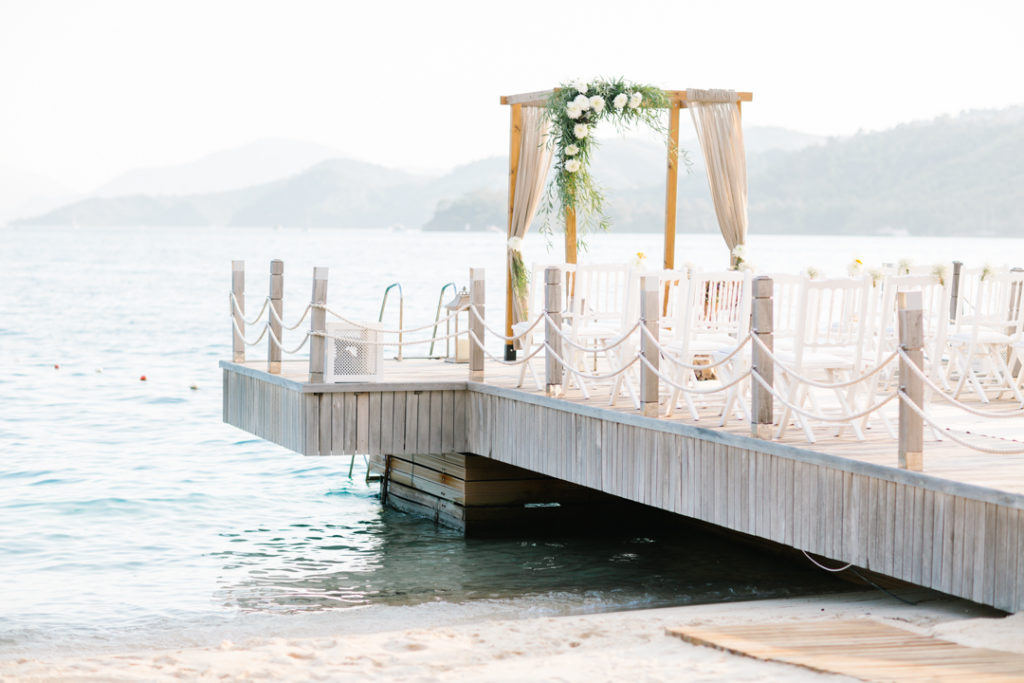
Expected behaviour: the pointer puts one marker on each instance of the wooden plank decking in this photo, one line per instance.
(869, 650)
(958, 526)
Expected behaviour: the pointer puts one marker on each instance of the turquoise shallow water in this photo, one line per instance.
(129, 513)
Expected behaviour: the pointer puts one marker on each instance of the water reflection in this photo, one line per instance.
(392, 558)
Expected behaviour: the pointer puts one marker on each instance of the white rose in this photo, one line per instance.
(581, 130)
(580, 85)
(582, 102)
(597, 104)
(572, 150)
(572, 165)
(740, 252)
(573, 112)
(635, 99)
(620, 100)
(515, 243)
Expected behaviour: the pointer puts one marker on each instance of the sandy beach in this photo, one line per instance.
(629, 645)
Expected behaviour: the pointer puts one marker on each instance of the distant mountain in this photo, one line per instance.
(253, 164)
(950, 176)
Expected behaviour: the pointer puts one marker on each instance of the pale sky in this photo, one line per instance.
(90, 89)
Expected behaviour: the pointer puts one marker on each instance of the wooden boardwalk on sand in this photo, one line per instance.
(865, 649)
(957, 527)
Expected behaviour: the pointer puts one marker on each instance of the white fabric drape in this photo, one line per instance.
(534, 162)
(716, 116)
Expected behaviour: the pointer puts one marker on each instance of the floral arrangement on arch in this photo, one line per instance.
(574, 110)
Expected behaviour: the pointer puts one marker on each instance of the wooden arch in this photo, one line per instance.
(676, 101)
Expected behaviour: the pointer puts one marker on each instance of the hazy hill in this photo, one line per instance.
(253, 164)
(949, 176)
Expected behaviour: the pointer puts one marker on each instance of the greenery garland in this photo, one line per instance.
(574, 110)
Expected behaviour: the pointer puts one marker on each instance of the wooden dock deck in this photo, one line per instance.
(957, 526)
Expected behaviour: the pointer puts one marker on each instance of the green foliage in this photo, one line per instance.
(573, 122)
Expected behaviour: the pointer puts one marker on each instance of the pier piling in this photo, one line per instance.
(276, 313)
(476, 324)
(552, 326)
(317, 325)
(911, 436)
(649, 318)
(761, 404)
(238, 311)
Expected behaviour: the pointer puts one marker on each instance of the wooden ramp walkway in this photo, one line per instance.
(869, 650)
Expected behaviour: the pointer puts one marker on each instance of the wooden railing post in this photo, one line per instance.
(238, 313)
(762, 406)
(552, 326)
(911, 322)
(650, 315)
(318, 325)
(954, 298)
(476, 324)
(276, 306)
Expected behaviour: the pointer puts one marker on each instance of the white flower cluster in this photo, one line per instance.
(635, 99)
(572, 150)
(621, 100)
(572, 165)
(515, 243)
(580, 130)
(855, 268)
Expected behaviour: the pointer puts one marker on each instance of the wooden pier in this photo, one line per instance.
(957, 526)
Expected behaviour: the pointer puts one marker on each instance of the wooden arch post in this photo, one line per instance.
(671, 186)
(514, 143)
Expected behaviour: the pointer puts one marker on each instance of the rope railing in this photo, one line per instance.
(236, 308)
(568, 340)
(279, 344)
(790, 372)
(690, 390)
(403, 330)
(502, 336)
(587, 375)
(947, 431)
(275, 316)
(668, 355)
(404, 342)
(941, 393)
(241, 335)
(837, 419)
(518, 361)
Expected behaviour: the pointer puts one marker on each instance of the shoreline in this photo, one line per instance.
(432, 644)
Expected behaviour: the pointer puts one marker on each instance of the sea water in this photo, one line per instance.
(130, 515)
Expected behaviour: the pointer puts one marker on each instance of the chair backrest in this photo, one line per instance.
(718, 304)
(537, 284)
(833, 316)
(997, 302)
(673, 286)
(601, 292)
(787, 291)
(935, 295)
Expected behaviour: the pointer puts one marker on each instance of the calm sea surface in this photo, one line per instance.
(129, 514)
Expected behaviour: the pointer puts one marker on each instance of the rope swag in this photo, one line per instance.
(574, 111)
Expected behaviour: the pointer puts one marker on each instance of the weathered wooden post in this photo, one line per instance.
(552, 326)
(911, 322)
(237, 311)
(650, 315)
(318, 325)
(476, 324)
(276, 311)
(762, 325)
(954, 289)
